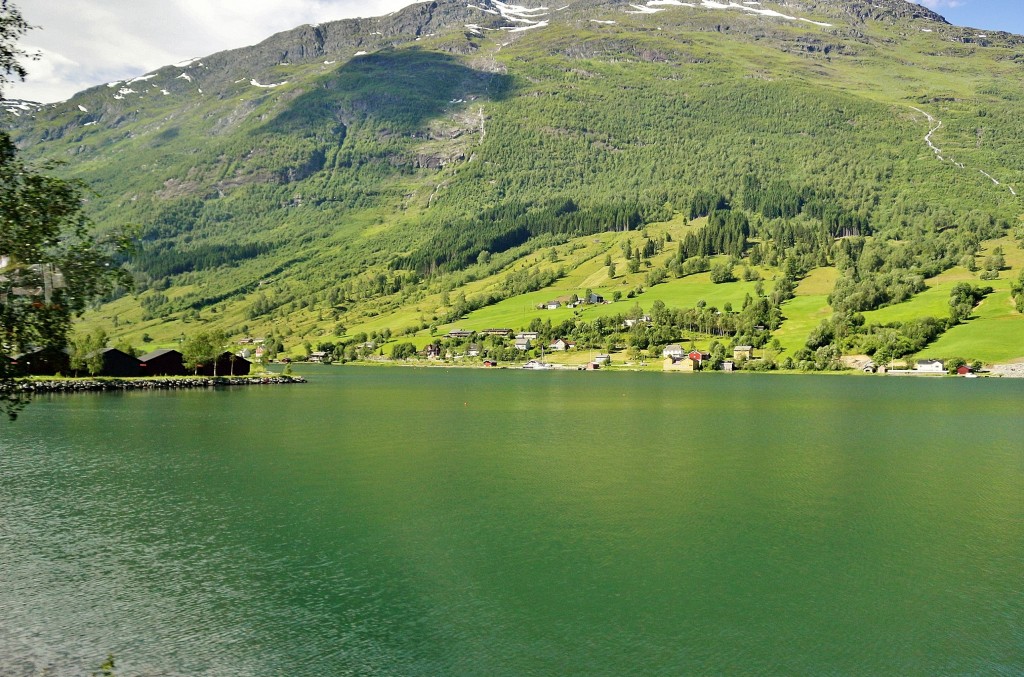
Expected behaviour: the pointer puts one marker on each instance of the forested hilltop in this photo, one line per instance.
(814, 178)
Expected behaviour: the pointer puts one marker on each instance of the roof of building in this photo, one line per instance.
(159, 352)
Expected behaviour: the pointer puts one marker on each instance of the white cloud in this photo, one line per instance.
(89, 42)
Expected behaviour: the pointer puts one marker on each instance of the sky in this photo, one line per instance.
(84, 43)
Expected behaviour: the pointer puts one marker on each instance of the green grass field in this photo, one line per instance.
(995, 334)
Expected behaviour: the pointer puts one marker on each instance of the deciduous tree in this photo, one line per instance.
(50, 263)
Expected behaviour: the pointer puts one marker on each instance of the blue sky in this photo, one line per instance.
(84, 43)
(1002, 15)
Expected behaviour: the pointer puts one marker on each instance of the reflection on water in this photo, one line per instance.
(385, 521)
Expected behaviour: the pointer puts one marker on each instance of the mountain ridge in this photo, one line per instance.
(328, 38)
(446, 144)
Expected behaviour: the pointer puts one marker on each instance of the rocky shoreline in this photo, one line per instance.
(1008, 370)
(169, 383)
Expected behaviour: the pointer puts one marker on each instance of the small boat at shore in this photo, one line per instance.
(534, 364)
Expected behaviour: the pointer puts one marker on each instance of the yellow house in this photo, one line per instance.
(743, 353)
(685, 364)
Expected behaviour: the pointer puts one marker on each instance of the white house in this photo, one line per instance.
(930, 367)
(523, 344)
(673, 350)
(630, 322)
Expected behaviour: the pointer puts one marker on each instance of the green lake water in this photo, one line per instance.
(472, 522)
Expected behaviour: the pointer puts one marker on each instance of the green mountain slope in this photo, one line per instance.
(415, 172)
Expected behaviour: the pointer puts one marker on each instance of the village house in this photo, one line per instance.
(432, 351)
(561, 344)
(490, 363)
(497, 332)
(681, 364)
(699, 357)
(473, 350)
(743, 353)
(930, 367)
(552, 305)
(602, 359)
(319, 356)
(728, 365)
(531, 335)
(595, 298)
(460, 333)
(964, 370)
(522, 344)
(673, 351)
(631, 322)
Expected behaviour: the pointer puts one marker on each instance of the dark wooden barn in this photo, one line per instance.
(118, 363)
(42, 362)
(227, 364)
(162, 362)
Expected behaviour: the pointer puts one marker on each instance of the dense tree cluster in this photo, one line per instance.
(726, 232)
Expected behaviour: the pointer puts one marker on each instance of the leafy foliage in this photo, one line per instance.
(50, 263)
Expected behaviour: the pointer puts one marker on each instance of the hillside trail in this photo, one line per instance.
(932, 120)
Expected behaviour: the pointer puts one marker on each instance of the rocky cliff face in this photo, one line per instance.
(874, 10)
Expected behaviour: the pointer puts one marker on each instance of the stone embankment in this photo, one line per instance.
(121, 384)
(1009, 370)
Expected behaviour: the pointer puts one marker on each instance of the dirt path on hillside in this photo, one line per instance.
(932, 120)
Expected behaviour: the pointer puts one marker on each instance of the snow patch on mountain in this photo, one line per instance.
(531, 17)
(254, 83)
(16, 107)
(639, 9)
(485, 9)
(540, 24)
(656, 6)
(519, 12)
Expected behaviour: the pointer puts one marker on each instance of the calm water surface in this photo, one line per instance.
(468, 522)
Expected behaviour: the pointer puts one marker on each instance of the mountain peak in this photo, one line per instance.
(873, 10)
